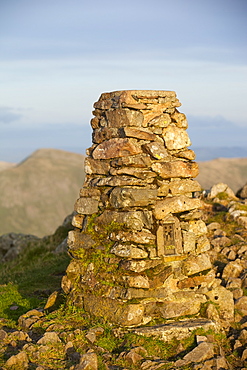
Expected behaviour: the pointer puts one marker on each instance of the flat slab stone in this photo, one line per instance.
(178, 329)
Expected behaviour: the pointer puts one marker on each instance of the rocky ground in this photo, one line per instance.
(63, 337)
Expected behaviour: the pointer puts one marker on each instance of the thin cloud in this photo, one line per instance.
(8, 115)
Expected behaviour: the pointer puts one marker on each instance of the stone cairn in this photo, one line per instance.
(139, 243)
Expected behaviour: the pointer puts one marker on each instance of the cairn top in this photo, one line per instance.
(136, 99)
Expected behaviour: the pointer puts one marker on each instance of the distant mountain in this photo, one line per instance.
(38, 193)
(208, 153)
(231, 171)
(5, 165)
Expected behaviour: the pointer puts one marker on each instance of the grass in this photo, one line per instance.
(27, 281)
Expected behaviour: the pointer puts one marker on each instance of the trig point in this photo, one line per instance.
(139, 245)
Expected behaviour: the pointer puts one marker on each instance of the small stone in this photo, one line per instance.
(179, 119)
(104, 133)
(137, 281)
(157, 150)
(243, 336)
(3, 335)
(224, 299)
(213, 226)
(140, 173)
(176, 138)
(127, 197)
(175, 205)
(232, 255)
(161, 121)
(221, 188)
(143, 237)
(86, 206)
(143, 134)
(94, 166)
(19, 361)
(133, 358)
(129, 251)
(168, 170)
(49, 337)
(117, 147)
(201, 353)
(137, 161)
(232, 270)
(244, 355)
(124, 117)
(194, 264)
(88, 361)
(186, 154)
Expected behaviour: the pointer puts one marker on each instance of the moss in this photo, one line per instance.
(223, 195)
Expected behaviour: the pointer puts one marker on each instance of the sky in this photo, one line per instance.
(57, 57)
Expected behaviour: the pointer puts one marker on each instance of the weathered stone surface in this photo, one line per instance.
(192, 282)
(221, 188)
(114, 311)
(123, 180)
(200, 353)
(105, 133)
(137, 281)
(88, 361)
(194, 264)
(77, 221)
(232, 270)
(143, 134)
(143, 237)
(90, 193)
(173, 309)
(176, 138)
(186, 154)
(179, 119)
(189, 241)
(241, 305)
(140, 266)
(49, 337)
(224, 298)
(135, 220)
(137, 161)
(202, 244)
(86, 206)
(242, 193)
(77, 240)
(159, 280)
(19, 361)
(157, 150)
(181, 186)
(129, 197)
(95, 166)
(129, 251)
(117, 147)
(242, 220)
(124, 117)
(180, 329)
(140, 173)
(198, 227)
(168, 170)
(161, 121)
(175, 205)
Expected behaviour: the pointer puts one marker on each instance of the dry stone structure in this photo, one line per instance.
(139, 247)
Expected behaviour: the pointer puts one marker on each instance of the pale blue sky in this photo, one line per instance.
(57, 57)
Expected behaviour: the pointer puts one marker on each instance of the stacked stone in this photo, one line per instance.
(138, 248)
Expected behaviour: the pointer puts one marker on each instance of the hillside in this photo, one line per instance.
(231, 171)
(38, 193)
(5, 165)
